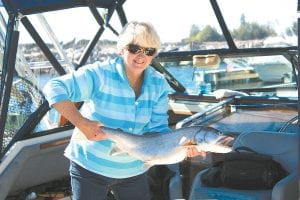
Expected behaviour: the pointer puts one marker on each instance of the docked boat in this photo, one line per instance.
(232, 65)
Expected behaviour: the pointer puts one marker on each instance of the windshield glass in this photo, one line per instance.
(238, 74)
(250, 25)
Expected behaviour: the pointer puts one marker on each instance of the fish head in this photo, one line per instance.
(211, 139)
(207, 135)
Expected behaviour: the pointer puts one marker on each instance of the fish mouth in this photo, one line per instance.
(225, 140)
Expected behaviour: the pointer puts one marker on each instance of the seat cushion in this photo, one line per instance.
(200, 191)
(283, 147)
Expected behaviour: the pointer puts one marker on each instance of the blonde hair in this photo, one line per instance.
(141, 33)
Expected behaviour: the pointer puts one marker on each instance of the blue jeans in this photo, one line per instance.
(87, 185)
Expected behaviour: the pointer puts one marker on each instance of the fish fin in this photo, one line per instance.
(115, 150)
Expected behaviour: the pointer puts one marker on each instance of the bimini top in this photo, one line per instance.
(27, 7)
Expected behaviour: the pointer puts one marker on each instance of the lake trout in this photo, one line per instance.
(166, 148)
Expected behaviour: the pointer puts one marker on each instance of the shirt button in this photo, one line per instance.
(130, 129)
(136, 103)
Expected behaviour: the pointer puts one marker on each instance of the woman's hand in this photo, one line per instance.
(91, 129)
(192, 152)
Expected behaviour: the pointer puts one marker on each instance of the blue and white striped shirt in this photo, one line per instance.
(109, 99)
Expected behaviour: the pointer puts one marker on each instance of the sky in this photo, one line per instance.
(171, 18)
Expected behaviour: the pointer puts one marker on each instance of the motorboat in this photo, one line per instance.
(220, 57)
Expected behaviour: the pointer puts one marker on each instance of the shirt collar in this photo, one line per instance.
(120, 68)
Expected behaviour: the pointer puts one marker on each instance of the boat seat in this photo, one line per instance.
(283, 147)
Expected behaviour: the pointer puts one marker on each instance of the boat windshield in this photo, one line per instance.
(196, 28)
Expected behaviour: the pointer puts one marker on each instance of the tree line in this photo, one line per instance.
(246, 31)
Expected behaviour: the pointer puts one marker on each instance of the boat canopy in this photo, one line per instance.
(26, 7)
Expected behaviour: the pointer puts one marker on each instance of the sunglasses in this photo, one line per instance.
(134, 49)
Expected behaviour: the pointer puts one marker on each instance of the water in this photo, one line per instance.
(43, 78)
(185, 76)
(205, 88)
(192, 78)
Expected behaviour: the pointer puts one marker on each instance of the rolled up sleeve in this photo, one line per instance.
(76, 87)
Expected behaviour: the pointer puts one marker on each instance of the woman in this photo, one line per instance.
(124, 93)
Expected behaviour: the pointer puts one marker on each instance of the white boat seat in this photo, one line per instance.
(284, 149)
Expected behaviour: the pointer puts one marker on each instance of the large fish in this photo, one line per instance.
(166, 148)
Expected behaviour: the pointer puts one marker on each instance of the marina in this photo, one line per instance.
(232, 67)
